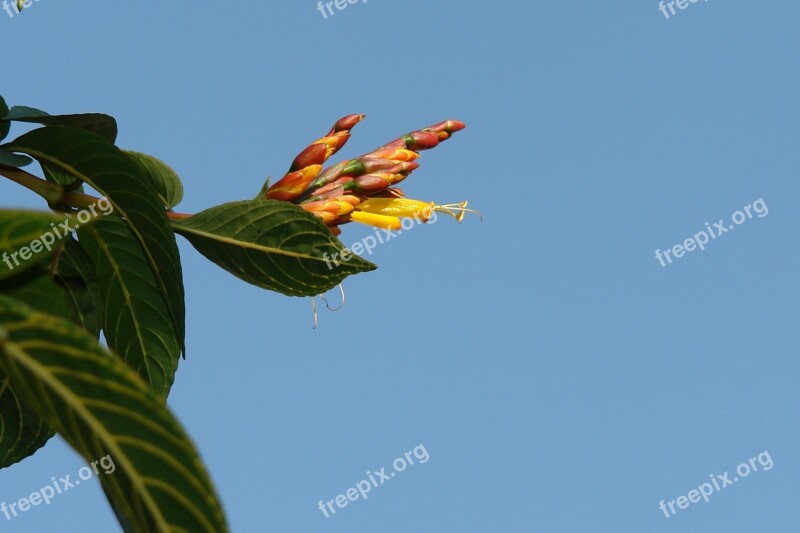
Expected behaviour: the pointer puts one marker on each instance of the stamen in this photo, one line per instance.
(457, 211)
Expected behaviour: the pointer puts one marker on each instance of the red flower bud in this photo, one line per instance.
(371, 164)
(313, 155)
(416, 140)
(444, 129)
(346, 123)
(370, 183)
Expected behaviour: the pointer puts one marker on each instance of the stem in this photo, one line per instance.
(51, 192)
(56, 195)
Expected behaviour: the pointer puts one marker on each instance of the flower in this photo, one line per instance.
(308, 164)
(381, 210)
(362, 189)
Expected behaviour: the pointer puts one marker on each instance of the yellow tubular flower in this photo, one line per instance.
(397, 207)
(407, 208)
(379, 221)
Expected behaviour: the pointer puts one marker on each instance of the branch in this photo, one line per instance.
(56, 195)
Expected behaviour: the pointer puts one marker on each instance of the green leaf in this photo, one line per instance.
(75, 274)
(103, 125)
(102, 408)
(4, 126)
(25, 113)
(135, 320)
(271, 244)
(36, 289)
(22, 430)
(107, 169)
(13, 160)
(59, 176)
(28, 237)
(165, 180)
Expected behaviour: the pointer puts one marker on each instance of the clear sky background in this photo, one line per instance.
(559, 378)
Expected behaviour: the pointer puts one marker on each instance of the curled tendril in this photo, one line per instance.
(334, 309)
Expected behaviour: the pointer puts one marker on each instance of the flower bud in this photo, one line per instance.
(313, 155)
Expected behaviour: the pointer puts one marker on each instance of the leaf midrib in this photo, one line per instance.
(242, 244)
(128, 300)
(78, 406)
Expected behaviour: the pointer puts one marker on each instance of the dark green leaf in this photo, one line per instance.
(28, 237)
(104, 411)
(165, 180)
(22, 430)
(108, 170)
(23, 112)
(57, 175)
(273, 245)
(4, 126)
(36, 289)
(13, 160)
(75, 274)
(103, 125)
(135, 320)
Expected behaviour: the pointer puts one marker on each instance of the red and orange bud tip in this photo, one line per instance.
(394, 154)
(367, 165)
(346, 123)
(446, 128)
(293, 184)
(334, 142)
(313, 155)
(416, 140)
(331, 194)
(394, 174)
(390, 177)
(337, 183)
(309, 161)
(328, 210)
(339, 134)
(405, 168)
(368, 184)
(328, 175)
(350, 199)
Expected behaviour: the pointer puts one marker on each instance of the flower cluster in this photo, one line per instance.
(363, 189)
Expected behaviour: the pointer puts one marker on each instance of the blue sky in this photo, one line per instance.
(558, 377)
